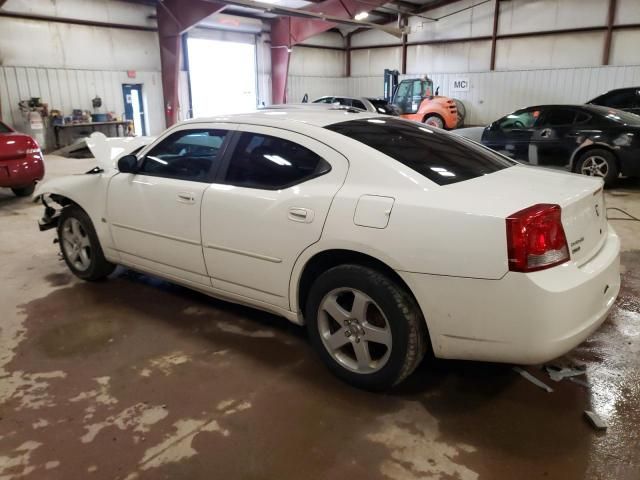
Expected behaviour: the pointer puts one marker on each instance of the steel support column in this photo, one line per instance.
(494, 35)
(174, 18)
(403, 21)
(348, 55)
(606, 53)
(288, 31)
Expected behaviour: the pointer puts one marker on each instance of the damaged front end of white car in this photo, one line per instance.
(81, 189)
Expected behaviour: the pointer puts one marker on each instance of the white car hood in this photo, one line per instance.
(107, 150)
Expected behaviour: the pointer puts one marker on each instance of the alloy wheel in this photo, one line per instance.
(354, 330)
(76, 244)
(595, 166)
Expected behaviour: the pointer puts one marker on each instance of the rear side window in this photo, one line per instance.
(441, 157)
(558, 117)
(4, 128)
(358, 104)
(185, 155)
(382, 106)
(271, 163)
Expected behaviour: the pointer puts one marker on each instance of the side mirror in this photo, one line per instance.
(128, 164)
(437, 91)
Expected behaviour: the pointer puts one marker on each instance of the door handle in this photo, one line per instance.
(186, 197)
(303, 215)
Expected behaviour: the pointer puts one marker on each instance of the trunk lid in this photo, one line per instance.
(513, 189)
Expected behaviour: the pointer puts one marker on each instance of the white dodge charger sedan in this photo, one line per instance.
(388, 239)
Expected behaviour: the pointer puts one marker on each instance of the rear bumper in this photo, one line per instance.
(21, 172)
(521, 318)
(629, 161)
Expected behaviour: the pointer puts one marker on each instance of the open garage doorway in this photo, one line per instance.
(222, 76)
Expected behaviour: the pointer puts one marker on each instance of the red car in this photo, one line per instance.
(21, 162)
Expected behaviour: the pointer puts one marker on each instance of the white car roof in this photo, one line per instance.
(310, 116)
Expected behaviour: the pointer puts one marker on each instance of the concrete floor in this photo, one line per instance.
(135, 378)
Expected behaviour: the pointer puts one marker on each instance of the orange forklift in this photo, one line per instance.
(416, 101)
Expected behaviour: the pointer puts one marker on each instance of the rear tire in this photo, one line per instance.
(366, 329)
(24, 191)
(599, 163)
(434, 121)
(80, 245)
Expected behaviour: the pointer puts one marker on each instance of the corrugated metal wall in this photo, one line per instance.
(494, 94)
(315, 87)
(67, 89)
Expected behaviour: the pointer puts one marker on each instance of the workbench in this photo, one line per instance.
(91, 125)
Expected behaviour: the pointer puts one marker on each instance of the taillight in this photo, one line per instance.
(32, 147)
(536, 239)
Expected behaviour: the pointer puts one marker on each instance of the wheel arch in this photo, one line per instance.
(434, 114)
(592, 146)
(88, 192)
(323, 260)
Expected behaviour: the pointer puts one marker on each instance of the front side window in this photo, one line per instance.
(442, 157)
(271, 163)
(520, 119)
(185, 155)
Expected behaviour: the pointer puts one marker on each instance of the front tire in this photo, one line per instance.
(366, 329)
(24, 191)
(80, 245)
(598, 163)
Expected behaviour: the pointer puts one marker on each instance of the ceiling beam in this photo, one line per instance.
(298, 25)
(328, 11)
(433, 5)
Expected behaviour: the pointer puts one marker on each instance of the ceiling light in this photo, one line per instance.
(361, 16)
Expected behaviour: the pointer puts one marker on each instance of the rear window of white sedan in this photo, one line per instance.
(442, 157)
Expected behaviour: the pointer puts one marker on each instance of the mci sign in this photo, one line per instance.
(460, 84)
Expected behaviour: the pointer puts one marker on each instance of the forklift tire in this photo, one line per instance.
(434, 120)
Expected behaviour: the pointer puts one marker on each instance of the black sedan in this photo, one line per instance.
(587, 139)
(627, 99)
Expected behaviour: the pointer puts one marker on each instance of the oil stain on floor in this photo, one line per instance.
(136, 378)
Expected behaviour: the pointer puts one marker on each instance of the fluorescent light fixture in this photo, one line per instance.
(156, 159)
(277, 159)
(443, 172)
(361, 16)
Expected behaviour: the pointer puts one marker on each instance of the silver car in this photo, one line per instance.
(368, 104)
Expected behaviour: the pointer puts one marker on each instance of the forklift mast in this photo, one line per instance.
(390, 83)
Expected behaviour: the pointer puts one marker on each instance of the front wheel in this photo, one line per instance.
(598, 163)
(367, 330)
(80, 246)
